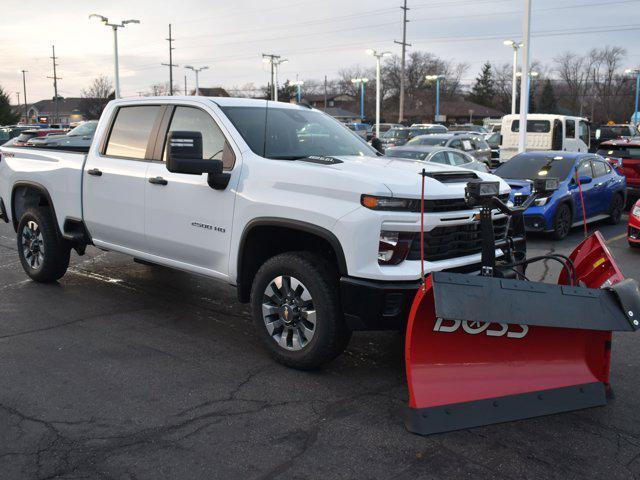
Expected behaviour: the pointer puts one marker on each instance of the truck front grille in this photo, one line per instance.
(444, 243)
(449, 204)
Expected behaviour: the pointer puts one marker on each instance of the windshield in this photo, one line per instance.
(427, 140)
(396, 133)
(406, 154)
(87, 128)
(528, 167)
(288, 133)
(5, 135)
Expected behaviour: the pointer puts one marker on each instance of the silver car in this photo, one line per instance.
(444, 155)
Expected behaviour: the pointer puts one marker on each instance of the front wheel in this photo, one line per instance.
(296, 307)
(562, 222)
(43, 254)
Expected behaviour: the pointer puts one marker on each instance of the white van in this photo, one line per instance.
(545, 132)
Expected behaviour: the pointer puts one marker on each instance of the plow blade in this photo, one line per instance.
(484, 350)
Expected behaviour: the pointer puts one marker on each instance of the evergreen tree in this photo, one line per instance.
(484, 90)
(548, 101)
(7, 115)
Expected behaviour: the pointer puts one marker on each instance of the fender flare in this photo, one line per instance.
(40, 188)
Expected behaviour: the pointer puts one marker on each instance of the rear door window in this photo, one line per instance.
(440, 157)
(457, 159)
(131, 130)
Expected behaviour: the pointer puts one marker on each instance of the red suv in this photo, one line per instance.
(629, 151)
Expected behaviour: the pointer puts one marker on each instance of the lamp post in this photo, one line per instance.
(524, 84)
(361, 82)
(516, 46)
(636, 120)
(298, 84)
(24, 88)
(115, 27)
(437, 78)
(196, 71)
(378, 56)
(274, 61)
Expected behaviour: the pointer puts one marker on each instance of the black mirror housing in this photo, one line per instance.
(184, 155)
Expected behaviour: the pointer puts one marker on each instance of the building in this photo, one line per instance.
(458, 110)
(44, 111)
(212, 92)
(340, 106)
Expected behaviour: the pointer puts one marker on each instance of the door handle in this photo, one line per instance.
(96, 172)
(158, 181)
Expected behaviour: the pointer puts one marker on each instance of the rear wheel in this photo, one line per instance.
(562, 222)
(43, 254)
(615, 209)
(296, 307)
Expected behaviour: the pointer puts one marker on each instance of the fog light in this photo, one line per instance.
(393, 247)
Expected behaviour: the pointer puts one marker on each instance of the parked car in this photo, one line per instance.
(26, 135)
(468, 127)
(360, 128)
(79, 137)
(603, 189)
(633, 230)
(306, 226)
(604, 133)
(629, 151)
(9, 132)
(493, 140)
(385, 127)
(545, 132)
(431, 127)
(442, 155)
(399, 136)
(469, 143)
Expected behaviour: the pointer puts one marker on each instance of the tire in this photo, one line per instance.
(43, 254)
(561, 222)
(286, 324)
(615, 209)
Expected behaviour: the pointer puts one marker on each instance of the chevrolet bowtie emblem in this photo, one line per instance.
(476, 216)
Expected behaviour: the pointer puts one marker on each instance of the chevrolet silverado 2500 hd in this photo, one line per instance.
(313, 227)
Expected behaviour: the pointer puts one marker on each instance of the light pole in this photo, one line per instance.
(274, 61)
(115, 27)
(24, 88)
(361, 82)
(196, 71)
(532, 74)
(516, 46)
(378, 56)
(524, 84)
(298, 84)
(636, 120)
(437, 78)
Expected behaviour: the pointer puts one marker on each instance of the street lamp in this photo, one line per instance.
(437, 78)
(378, 56)
(115, 27)
(274, 61)
(196, 71)
(360, 81)
(636, 119)
(516, 46)
(297, 84)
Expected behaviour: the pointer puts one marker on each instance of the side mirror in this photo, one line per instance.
(184, 155)
(585, 179)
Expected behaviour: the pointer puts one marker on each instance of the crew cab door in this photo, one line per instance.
(114, 181)
(188, 223)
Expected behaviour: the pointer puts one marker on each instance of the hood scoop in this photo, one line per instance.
(452, 177)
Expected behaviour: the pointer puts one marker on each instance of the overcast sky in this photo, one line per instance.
(318, 37)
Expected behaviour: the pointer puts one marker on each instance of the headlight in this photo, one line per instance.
(542, 201)
(393, 247)
(636, 211)
(388, 203)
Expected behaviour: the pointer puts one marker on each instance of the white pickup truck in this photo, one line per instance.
(311, 225)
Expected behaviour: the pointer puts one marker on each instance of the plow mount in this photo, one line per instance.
(496, 347)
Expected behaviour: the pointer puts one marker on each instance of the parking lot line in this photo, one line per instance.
(617, 237)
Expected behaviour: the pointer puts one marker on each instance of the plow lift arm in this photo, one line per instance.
(496, 347)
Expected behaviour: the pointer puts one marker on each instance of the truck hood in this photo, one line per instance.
(402, 176)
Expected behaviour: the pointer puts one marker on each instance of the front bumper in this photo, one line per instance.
(535, 223)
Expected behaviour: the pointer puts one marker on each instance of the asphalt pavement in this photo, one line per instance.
(128, 371)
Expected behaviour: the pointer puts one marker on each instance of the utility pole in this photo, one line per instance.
(402, 61)
(24, 90)
(185, 85)
(525, 79)
(325, 92)
(170, 64)
(274, 61)
(55, 79)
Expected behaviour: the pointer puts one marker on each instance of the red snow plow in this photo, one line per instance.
(495, 347)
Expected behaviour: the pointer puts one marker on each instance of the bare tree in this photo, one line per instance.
(607, 81)
(574, 72)
(161, 89)
(96, 97)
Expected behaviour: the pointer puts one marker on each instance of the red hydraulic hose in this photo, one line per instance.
(422, 230)
(584, 213)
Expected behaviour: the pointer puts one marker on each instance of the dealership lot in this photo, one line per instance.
(125, 371)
